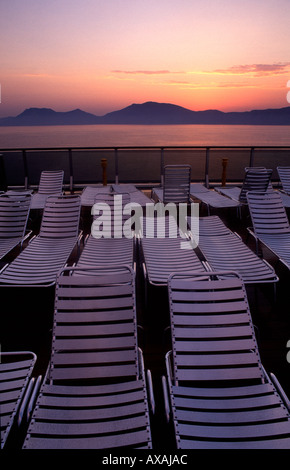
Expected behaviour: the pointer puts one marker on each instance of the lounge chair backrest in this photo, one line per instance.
(212, 333)
(256, 179)
(176, 183)
(14, 211)
(114, 218)
(51, 182)
(94, 334)
(268, 213)
(61, 217)
(284, 175)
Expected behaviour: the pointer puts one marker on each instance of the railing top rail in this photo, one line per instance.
(136, 147)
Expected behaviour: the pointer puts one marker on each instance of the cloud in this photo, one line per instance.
(144, 72)
(257, 70)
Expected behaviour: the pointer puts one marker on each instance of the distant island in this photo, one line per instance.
(149, 113)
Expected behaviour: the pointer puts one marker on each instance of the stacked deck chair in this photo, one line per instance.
(136, 196)
(167, 253)
(112, 248)
(225, 250)
(39, 263)
(220, 396)
(90, 192)
(256, 179)
(16, 370)
(14, 213)
(94, 395)
(270, 224)
(176, 186)
(212, 199)
(284, 175)
(50, 184)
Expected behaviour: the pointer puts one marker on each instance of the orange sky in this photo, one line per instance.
(101, 56)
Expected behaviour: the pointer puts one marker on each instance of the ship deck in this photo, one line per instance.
(27, 316)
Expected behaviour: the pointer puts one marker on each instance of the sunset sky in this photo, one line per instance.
(103, 55)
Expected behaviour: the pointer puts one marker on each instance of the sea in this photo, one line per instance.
(15, 137)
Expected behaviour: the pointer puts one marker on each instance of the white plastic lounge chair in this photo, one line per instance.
(256, 179)
(94, 395)
(39, 263)
(90, 192)
(14, 212)
(164, 255)
(15, 375)
(270, 223)
(212, 198)
(225, 250)
(219, 396)
(112, 248)
(136, 196)
(50, 184)
(176, 187)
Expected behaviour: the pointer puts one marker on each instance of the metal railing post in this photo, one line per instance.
(207, 167)
(25, 169)
(116, 166)
(224, 172)
(252, 156)
(162, 166)
(104, 168)
(71, 176)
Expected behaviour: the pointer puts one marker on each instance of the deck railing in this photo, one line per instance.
(142, 165)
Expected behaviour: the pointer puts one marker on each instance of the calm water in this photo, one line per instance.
(124, 135)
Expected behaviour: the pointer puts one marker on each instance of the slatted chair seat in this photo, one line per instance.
(220, 397)
(212, 198)
(48, 252)
(164, 255)
(112, 248)
(94, 395)
(223, 250)
(16, 369)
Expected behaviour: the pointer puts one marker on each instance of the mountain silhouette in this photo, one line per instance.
(149, 113)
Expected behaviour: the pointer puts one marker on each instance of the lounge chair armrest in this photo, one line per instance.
(32, 238)
(168, 365)
(144, 270)
(3, 268)
(29, 393)
(250, 231)
(33, 397)
(150, 391)
(80, 236)
(166, 398)
(237, 235)
(26, 236)
(206, 266)
(280, 390)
